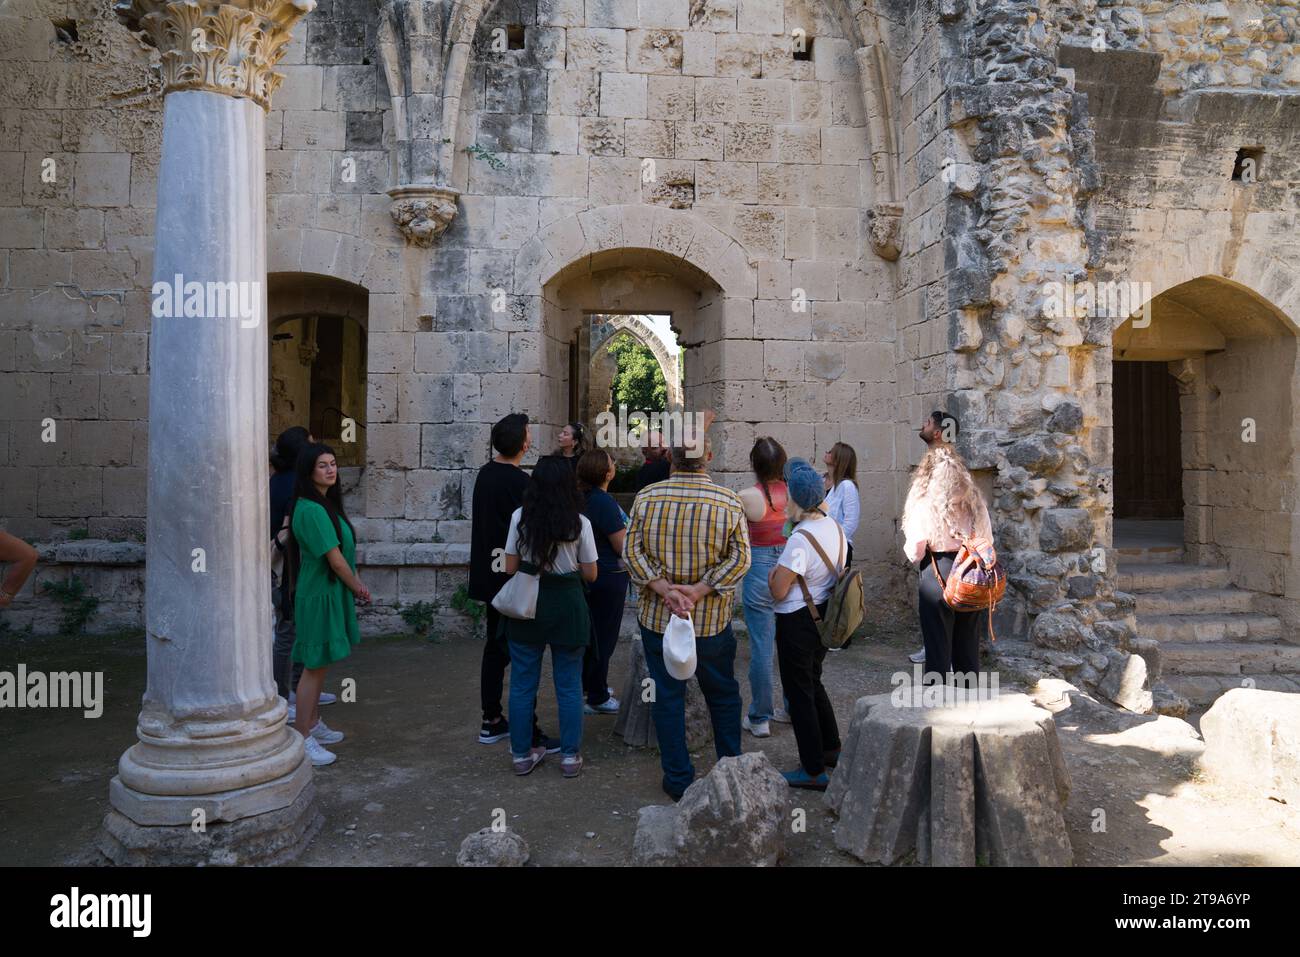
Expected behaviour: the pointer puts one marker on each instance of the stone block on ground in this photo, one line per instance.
(733, 816)
(1252, 741)
(489, 848)
(957, 784)
(634, 723)
(1125, 683)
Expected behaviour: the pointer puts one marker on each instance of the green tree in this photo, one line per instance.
(639, 383)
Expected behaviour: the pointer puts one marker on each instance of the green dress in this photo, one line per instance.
(324, 611)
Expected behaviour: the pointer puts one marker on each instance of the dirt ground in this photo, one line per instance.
(412, 781)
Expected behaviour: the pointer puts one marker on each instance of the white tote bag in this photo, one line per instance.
(679, 647)
(518, 597)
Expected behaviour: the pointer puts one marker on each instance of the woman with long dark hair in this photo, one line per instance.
(572, 443)
(284, 477)
(550, 536)
(608, 593)
(764, 505)
(326, 589)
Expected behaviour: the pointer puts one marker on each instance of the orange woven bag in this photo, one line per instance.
(977, 580)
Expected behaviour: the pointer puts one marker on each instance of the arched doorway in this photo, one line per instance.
(1204, 456)
(318, 329)
(613, 289)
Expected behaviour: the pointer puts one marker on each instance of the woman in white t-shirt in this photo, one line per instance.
(799, 650)
(550, 535)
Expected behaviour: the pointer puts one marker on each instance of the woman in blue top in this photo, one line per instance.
(608, 593)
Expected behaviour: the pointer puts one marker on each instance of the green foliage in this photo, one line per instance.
(487, 156)
(624, 480)
(419, 618)
(78, 534)
(77, 606)
(639, 383)
(476, 610)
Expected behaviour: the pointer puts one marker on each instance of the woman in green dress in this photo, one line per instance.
(326, 591)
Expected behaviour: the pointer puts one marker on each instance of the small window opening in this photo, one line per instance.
(806, 52)
(1246, 167)
(515, 36)
(65, 30)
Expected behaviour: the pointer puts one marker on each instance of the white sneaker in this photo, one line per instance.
(325, 734)
(293, 714)
(327, 698)
(316, 751)
(609, 707)
(759, 730)
(917, 657)
(781, 715)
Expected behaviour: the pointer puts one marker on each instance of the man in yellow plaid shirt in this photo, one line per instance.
(687, 549)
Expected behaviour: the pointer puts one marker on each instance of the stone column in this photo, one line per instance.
(213, 745)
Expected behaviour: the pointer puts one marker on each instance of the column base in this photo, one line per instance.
(161, 810)
(276, 837)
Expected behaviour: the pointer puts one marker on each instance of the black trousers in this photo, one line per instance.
(799, 655)
(606, 597)
(952, 638)
(286, 673)
(492, 672)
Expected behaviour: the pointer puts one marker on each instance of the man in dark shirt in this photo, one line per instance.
(498, 491)
(658, 461)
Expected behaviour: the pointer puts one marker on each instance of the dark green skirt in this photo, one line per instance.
(562, 615)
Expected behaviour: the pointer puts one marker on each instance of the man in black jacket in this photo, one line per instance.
(498, 491)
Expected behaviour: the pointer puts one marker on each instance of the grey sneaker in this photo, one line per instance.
(526, 764)
(759, 729)
(571, 766)
(917, 657)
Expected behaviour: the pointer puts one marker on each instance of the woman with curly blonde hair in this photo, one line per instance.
(944, 507)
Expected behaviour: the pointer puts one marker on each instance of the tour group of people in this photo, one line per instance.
(688, 547)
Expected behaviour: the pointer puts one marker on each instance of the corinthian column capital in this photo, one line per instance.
(227, 47)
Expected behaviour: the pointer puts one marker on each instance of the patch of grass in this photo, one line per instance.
(77, 606)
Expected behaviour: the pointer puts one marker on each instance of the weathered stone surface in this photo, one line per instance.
(635, 723)
(1125, 683)
(1252, 741)
(491, 848)
(961, 784)
(733, 816)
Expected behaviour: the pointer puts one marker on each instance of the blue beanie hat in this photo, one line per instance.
(804, 484)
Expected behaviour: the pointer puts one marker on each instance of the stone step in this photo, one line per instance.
(1212, 627)
(1194, 601)
(1201, 691)
(1152, 555)
(1229, 658)
(1159, 577)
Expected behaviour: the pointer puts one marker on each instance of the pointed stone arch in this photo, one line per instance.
(638, 329)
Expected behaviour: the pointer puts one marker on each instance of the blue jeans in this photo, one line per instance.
(526, 675)
(760, 619)
(716, 657)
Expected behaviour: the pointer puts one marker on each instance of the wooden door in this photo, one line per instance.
(1148, 442)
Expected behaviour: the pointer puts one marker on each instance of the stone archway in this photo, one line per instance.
(638, 329)
(1216, 576)
(319, 328)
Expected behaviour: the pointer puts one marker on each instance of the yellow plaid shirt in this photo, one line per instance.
(687, 529)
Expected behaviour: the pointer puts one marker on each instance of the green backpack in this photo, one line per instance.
(846, 601)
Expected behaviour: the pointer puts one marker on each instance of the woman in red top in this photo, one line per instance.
(764, 505)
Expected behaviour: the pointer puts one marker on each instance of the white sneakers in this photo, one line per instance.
(760, 729)
(316, 751)
(917, 657)
(609, 707)
(781, 715)
(325, 734)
